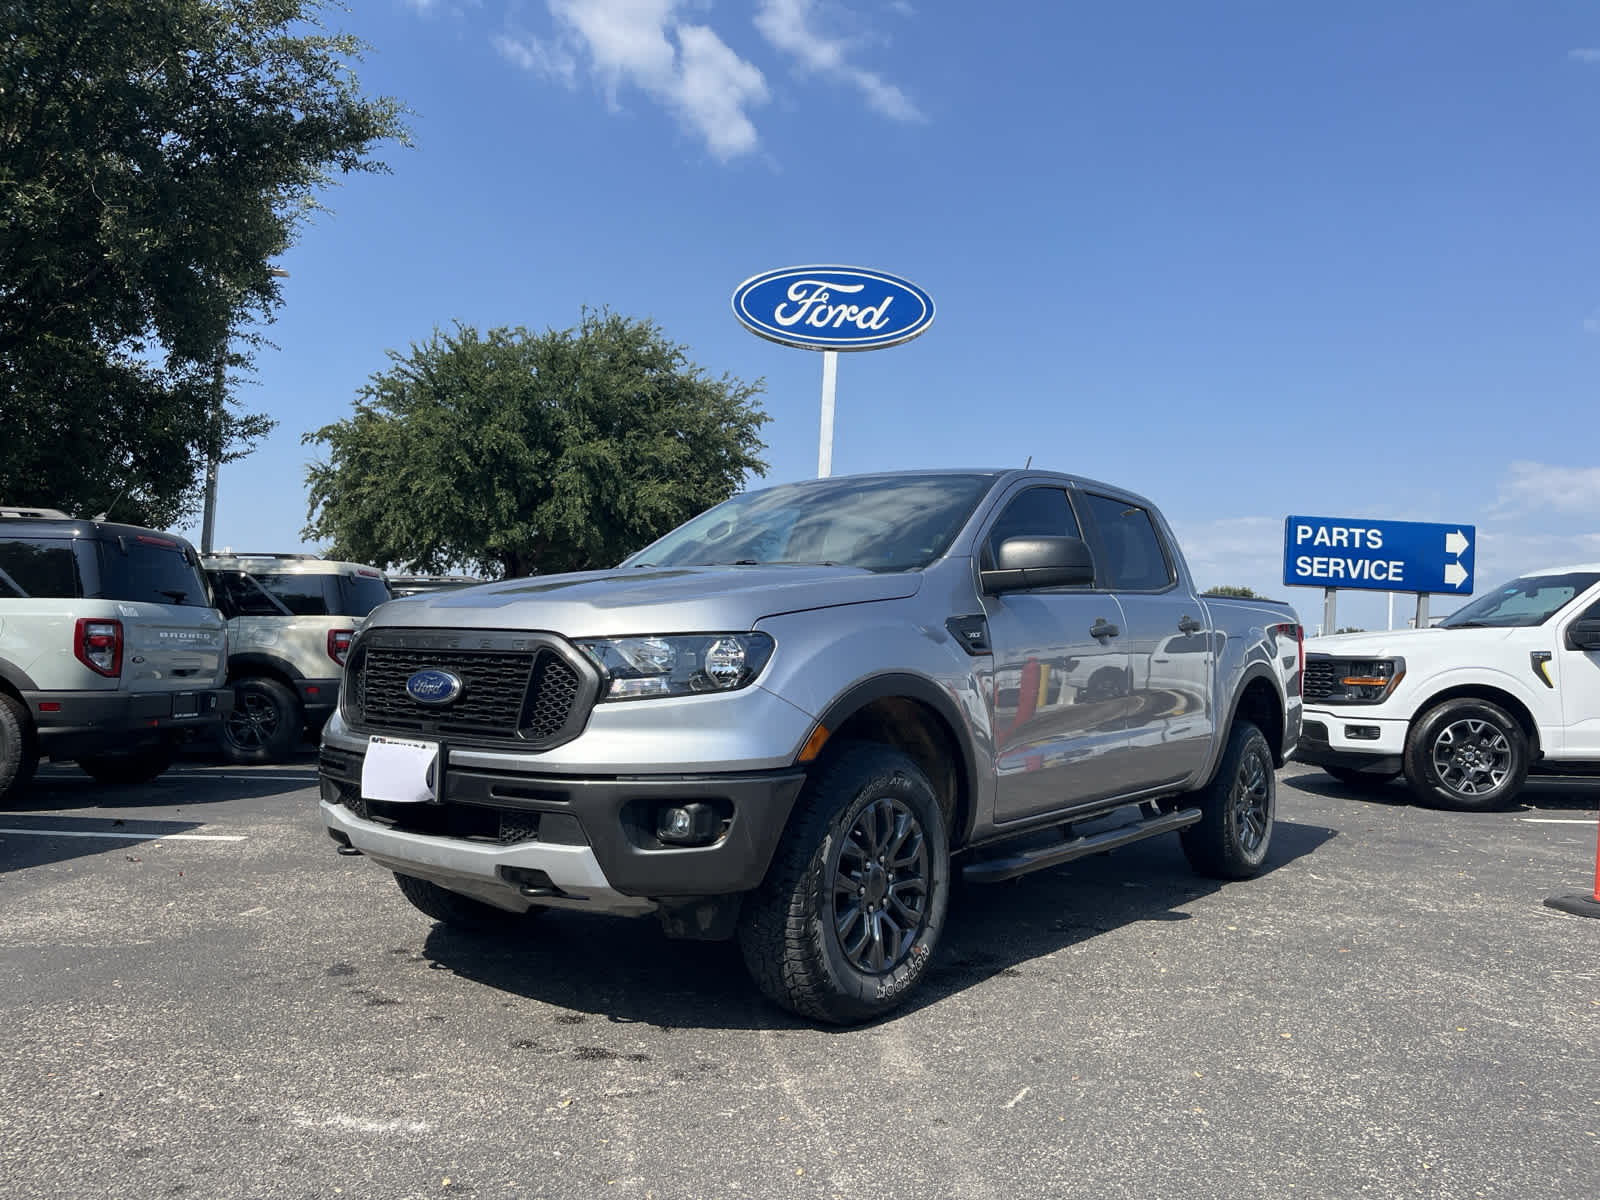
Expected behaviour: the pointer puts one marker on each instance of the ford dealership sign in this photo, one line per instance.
(833, 308)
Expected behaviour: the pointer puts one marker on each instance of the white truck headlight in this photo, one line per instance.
(646, 667)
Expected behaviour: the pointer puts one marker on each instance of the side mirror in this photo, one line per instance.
(1039, 562)
(1584, 634)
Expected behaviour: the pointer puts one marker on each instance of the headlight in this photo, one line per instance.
(1366, 681)
(642, 668)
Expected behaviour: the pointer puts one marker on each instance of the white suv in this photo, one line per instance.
(290, 620)
(110, 650)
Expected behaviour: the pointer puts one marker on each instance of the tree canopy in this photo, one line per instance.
(1233, 589)
(513, 453)
(155, 155)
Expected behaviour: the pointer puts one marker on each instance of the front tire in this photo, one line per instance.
(129, 768)
(458, 911)
(1238, 810)
(847, 920)
(19, 754)
(265, 724)
(1467, 755)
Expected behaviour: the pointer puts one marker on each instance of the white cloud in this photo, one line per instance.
(1591, 323)
(640, 43)
(1586, 55)
(1235, 551)
(542, 58)
(1531, 485)
(790, 26)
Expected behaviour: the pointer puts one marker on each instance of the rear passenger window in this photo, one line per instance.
(303, 595)
(1135, 561)
(1037, 512)
(40, 567)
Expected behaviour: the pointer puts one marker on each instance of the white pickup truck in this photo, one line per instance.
(1508, 684)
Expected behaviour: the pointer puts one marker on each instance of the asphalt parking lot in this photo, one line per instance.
(201, 999)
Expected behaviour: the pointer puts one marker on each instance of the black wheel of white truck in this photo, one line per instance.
(18, 753)
(847, 919)
(1468, 755)
(1238, 810)
(458, 911)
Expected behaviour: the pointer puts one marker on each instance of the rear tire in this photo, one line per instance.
(129, 768)
(265, 724)
(19, 754)
(1238, 810)
(1353, 777)
(458, 911)
(1467, 755)
(847, 920)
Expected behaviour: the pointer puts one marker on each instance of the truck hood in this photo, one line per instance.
(638, 600)
(1403, 641)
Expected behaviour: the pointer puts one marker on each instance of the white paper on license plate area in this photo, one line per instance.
(400, 770)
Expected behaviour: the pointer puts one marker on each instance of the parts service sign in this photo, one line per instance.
(833, 308)
(1387, 556)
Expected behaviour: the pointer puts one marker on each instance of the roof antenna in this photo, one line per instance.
(1029, 463)
(114, 503)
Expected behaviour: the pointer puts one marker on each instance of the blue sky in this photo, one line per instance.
(1250, 259)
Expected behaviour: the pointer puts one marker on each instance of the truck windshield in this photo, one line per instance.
(878, 523)
(1524, 602)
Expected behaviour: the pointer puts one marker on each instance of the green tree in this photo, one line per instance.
(155, 155)
(515, 453)
(1229, 589)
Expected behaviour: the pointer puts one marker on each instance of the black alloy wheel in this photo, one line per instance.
(882, 884)
(265, 723)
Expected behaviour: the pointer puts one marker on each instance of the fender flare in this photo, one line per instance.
(926, 692)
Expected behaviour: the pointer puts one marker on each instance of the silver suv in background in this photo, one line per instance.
(290, 621)
(111, 653)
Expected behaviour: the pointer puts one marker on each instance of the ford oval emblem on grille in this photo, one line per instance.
(434, 688)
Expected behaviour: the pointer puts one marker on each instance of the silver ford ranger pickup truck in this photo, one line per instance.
(795, 718)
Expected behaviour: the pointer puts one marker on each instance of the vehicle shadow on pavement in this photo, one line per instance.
(61, 787)
(628, 971)
(54, 839)
(1541, 792)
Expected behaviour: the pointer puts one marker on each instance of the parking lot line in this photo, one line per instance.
(131, 837)
(1558, 820)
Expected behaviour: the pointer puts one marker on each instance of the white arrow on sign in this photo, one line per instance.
(1455, 574)
(1455, 543)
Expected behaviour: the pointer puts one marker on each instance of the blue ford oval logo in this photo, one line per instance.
(833, 308)
(434, 687)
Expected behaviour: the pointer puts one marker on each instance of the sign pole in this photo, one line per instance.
(1422, 610)
(830, 375)
(1329, 598)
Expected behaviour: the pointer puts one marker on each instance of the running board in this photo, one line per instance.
(994, 870)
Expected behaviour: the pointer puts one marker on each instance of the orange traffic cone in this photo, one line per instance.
(1582, 906)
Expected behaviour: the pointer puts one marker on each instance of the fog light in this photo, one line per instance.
(1362, 733)
(694, 824)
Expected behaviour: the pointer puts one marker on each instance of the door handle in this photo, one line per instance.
(1187, 624)
(1103, 629)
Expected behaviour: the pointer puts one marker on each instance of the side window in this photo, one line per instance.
(41, 567)
(1037, 512)
(1135, 561)
(241, 596)
(303, 595)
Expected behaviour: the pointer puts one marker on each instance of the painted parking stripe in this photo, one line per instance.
(131, 837)
(1558, 820)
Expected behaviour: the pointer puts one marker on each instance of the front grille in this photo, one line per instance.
(1321, 679)
(464, 822)
(530, 694)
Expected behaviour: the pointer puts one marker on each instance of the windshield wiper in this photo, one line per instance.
(177, 596)
(1469, 625)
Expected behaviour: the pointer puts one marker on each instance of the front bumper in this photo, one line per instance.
(1351, 738)
(569, 841)
(72, 724)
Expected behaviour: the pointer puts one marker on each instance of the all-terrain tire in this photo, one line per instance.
(1238, 810)
(850, 913)
(19, 753)
(458, 911)
(265, 724)
(129, 767)
(1467, 755)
